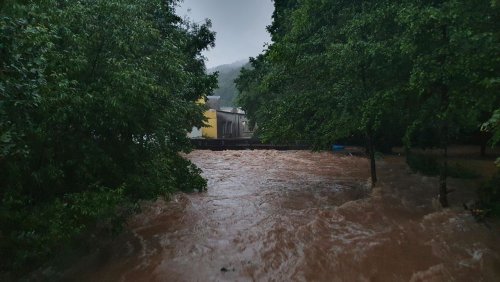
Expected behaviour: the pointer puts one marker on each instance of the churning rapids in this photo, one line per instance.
(302, 216)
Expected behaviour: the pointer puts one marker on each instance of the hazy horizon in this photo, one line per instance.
(240, 27)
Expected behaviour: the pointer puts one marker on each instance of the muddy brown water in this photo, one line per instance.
(302, 216)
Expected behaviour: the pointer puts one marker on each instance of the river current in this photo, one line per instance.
(303, 216)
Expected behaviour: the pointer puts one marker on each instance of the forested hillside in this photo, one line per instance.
(226, 86)
(96, 98)
(423, 73)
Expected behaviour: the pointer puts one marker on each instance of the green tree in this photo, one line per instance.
(333, 71)
(453, 48)
(419, 70)
(94, 109)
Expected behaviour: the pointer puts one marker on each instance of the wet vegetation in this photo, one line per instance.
(96, 98)
(421, 73)
(489, 196)
(429, 165)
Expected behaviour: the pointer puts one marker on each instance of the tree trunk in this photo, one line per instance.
(445, 104)
(443, 174)
(483, 150)
(407, 153)
(443, 191)
(371, 153)
(483, 139)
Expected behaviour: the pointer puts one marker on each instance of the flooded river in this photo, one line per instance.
(303, 216)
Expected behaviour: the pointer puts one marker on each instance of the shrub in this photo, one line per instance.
(427, 165)
(489, 196)
(430, 166)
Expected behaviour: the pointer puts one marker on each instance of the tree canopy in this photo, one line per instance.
(382, 70)
(96, 98)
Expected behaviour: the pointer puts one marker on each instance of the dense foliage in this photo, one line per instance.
(96, 98)
(416, 71)
(493, 125)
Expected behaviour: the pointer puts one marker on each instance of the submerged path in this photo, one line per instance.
(302, 216)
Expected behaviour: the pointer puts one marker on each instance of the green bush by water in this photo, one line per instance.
(426, 165)
(489, 196)
(430, 166)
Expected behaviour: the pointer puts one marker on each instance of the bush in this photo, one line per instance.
(34, 233)
(457, 170)
(426, 165)
(165, 175)
(489, 196)
(430, 166)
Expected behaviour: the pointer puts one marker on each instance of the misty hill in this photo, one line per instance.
(227, 74)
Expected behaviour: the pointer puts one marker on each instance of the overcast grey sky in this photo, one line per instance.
(240, 26)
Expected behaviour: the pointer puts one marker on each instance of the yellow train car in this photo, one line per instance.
(210, 131)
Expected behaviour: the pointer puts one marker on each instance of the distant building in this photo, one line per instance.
(232, 123)
(222, 122)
